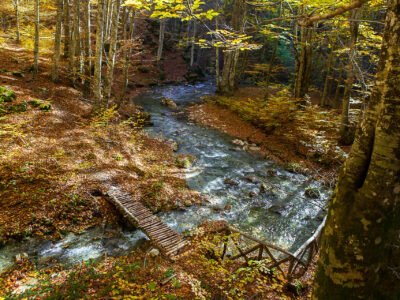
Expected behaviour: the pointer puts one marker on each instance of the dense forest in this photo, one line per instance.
(199, 149)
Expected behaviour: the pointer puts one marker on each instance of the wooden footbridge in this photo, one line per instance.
(291, 265)
(141, 217)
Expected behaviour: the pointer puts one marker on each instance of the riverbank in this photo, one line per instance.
(198, 273)
(56, 161)
(304, 141)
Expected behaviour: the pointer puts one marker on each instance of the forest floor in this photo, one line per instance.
(56, 164)
(53, 161)
(304, 141)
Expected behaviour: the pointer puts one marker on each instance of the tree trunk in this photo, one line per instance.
(16, 4)
(193, 44)
(327, 76)
(57, 42)
(111, 53)
(161, 39)
(231, 57)
(359, 257)
(37, 39)
(67, 29)
(98, 57)
(87, 47)
(303, 76)
(75, 47)
(272, 60)
(217, 67)
(127, 51)
(338, 86)
(344, 126)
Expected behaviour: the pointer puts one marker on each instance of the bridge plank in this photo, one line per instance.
(139, 215)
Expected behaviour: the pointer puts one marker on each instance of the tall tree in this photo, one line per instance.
(111, 52)
(161, 39)
(273, 55)
(57, 42)
(344, 127)
(98, 56)
(67, 29)
(75, 41)
(131, 13)
(87, 46)
(359, 257)
(303, 66)
(37, 38)
(16, 8)
(231, 57)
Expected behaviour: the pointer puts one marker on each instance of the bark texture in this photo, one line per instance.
(230, 74)
(344, 126)
(37, 39)
(111, 53)
(57, 42)
(359, 256)
(99, 56)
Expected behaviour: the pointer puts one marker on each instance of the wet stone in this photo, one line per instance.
(231, 182)
(253, 179)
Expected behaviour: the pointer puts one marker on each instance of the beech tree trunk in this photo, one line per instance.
(344, 126)
(87, 47)
(161, 39)
(127, 50)
(57, 42)
(303, 76)
(75, 43)
(360, 253)
(99, 56)
(67, 29)
(217, 67)
(37, 38)
(193, 44)
(229, 78)
(16, 6)
(272, 60)
(111, 53)
(327, 76)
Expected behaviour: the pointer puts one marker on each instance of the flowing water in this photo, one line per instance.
(283, 215)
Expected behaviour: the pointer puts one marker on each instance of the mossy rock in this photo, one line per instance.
(17, 74)
(42, 105)
(18, 108)
(6, 95)
(3, 110)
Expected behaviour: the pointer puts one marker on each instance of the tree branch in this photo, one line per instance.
(339, 11)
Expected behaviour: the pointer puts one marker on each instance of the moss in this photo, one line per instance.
(17, 74)
(6, 95)
(18, 108)
(42, 105)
